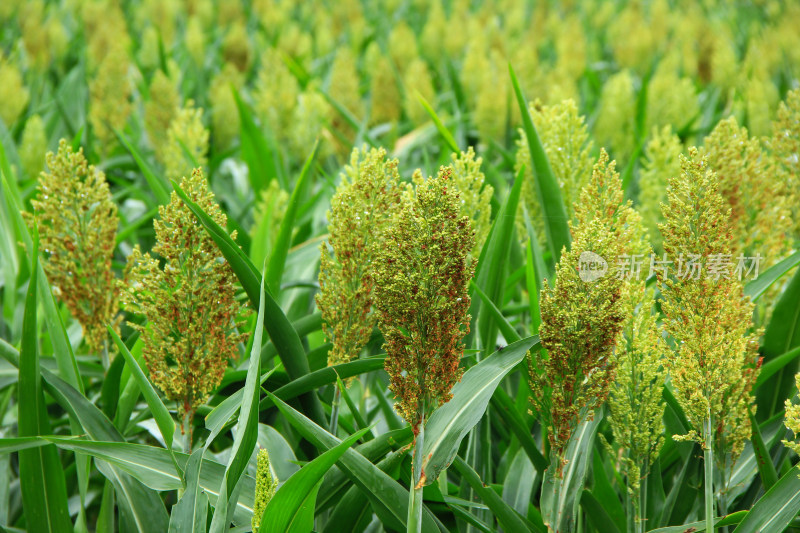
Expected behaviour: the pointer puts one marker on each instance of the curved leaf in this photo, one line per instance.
(776, 509)
(41, 476)
(389, 499)
(291, 509)
(448, 424)
(555, 215)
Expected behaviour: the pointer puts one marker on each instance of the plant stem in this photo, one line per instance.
(337, 395)
(186, 427)
(708, 463)
(642, 516)
(104, 356)
(414, 522)
(630, 511)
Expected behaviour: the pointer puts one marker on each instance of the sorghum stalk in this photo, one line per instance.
(414, 522)
(708, 466)
(421, 294)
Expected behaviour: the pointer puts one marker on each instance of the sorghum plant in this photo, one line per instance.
(785, 145)
(713, 363)
(421, 279)
(636, 407)
(77, 223)
(659, 163)
(566, 142)
(581, 320)
(189, 304)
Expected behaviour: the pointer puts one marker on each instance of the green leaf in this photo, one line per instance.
(597, 514)
(729, 520)
(509, 519)
(158, 185)
(777, 508)
(781, 335)
(325, 376)
(283, 335)
(44, 491)
(222, 413)
(755, 288)
(506, 409)
(506, 329)
(448, 424)
(162, 417)
(443, 131)
(533, 289)
(258, 151)
(247, 434)
(491, 271)
(277, 258)
(770, 368)
(153, 467)
(518, 484)
(555, 215)
(561, 495)
(353, 508)
(292, 508)
(389, 499)
(190, 514)
(604, 492)
(766, 469)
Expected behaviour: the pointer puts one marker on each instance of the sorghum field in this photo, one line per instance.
(355, 266)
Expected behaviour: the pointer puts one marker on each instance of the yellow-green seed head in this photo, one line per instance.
(566, 142)
(190, 304)
(361, 210)
(109, 96)
(266, 485)
(581, 320)
(714, 362)
(475, 195)
(422, 274)
(33, 146)
(659, 164)
(417, 79)
(160, 110)
(187, 142)
(224, 112)
(77, 222)
(13, 94)
(614, 125)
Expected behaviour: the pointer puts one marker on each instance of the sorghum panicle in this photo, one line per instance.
(266, 485)
(190, 304)
(714, 363)
(475, 195)
(566, 142)
(635, 399)
(77, 223)
(421, 280)
(360, 211)
(581, 320)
